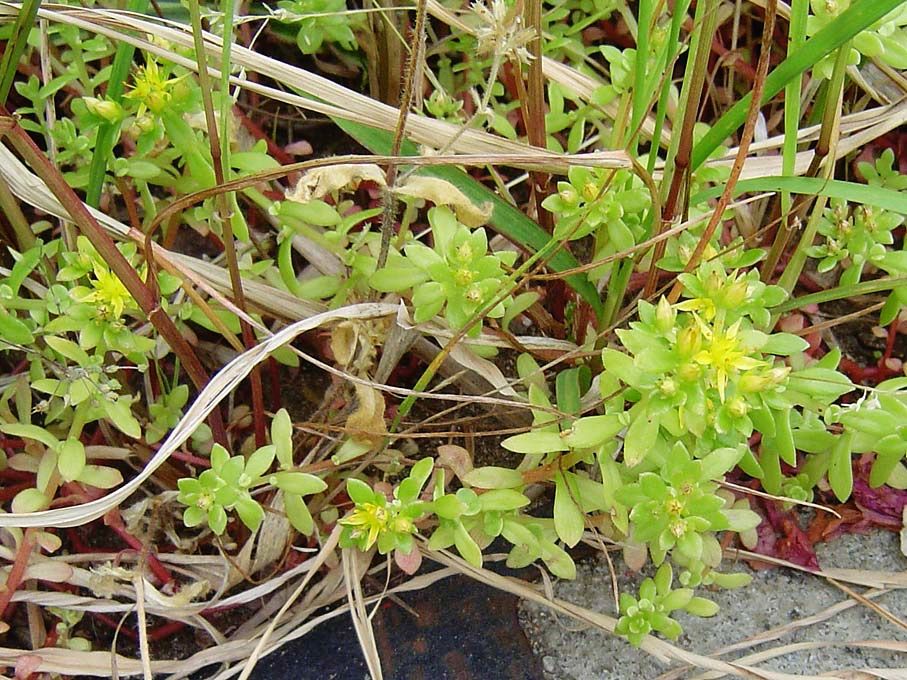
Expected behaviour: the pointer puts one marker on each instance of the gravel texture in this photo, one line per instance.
(776, 597)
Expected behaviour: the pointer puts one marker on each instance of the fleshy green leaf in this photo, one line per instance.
(359, 492)
(491, 477)
(593, 431)
(249, 511)
(282, 438)
(298, 514)
(300, 483)
(538, 441)
(568, 518)
(30, 500)
(100, 476)
(71, 459)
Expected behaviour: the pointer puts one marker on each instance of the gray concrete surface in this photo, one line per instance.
(774, 598)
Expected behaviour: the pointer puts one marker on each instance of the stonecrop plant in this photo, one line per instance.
(554, 186)
(457, 275)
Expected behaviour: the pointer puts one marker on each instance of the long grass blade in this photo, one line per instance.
(858, 17)
(505, 218)
(889, 199)
(15, 46)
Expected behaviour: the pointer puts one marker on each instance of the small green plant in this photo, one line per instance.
(230, 482)
(387, 524)
(457, 276)
(320, 23)
(853, 238)
(652, 609)
(885, 40)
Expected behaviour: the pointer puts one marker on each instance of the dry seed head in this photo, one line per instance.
(501, 31)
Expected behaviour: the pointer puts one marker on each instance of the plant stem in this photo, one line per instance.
(224, 212)
(103, 243)
(827, 135)
(746, 138)
(406, 102)
(15, 46)
(677, 165)
(641, 95)
(9, 206)
(535, 108)
(789, 222)
(109, 132)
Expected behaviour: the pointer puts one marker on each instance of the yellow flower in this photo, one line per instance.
(705, 306)
(368, 519)
(151, 89)
(108, 294)
(724, 354)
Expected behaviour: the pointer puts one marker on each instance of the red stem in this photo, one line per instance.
(17, 572)
(889, 345)
(115, 522)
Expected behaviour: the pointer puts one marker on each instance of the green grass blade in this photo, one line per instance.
(107, 132)
(858, 17)
(796, 38)
(842, 293)
(889, 199)
(15, 46)
(505, 218)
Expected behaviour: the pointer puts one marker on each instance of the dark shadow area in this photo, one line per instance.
(462, 630)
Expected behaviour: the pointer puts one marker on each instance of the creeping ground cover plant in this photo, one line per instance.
(298, 303)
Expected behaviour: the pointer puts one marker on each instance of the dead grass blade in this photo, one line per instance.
(664, 652)
(217, 389)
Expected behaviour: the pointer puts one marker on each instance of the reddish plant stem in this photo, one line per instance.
(17, 571)
(889, 344)
(165, 630)
(274, 375)
(274, 149)
(17, 475)
(192, 460)
(743, 68)
(113, 520)
(865, 374)
(7, 493)
(75, 540)
(114, 624)
(103, 243)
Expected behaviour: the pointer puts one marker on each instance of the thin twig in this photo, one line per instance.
(406, 100)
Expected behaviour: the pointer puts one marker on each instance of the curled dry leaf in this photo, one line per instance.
(186, 595)
(635, 555)
(409, 564)
(367, 421)
(442, 192)
(273, 535)
(323, 181)
(344, 339)
(456, 458)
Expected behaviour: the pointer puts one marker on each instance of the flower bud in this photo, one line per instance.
(590, 191)
(737, 407)
(736, 294)
(753, 382)
(779, 374)
(664, 315)
(667, 387)
(689, 341)
(713, 284)
(690, 372)
(104, 108)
